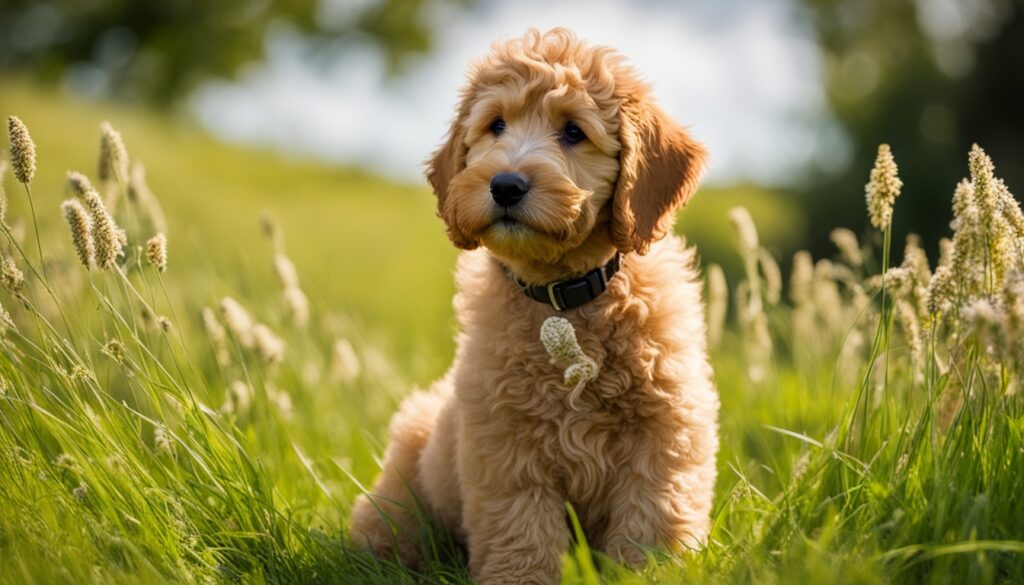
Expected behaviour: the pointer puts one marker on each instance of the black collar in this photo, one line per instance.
(573, 292)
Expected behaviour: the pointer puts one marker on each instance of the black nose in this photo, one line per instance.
(507, 189)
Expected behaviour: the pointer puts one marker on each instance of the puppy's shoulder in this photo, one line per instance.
(669, 263)
(481, 287)
(667, 282)
(472, 269)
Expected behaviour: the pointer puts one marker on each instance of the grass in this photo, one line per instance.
(121, 466)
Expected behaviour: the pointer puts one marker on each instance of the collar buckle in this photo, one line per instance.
(554, 297)
(602, 272)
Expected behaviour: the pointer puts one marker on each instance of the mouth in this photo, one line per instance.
(513, 237)
(507, 228)
(510, 228)
(508, 222)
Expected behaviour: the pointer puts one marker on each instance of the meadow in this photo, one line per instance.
(215, 420)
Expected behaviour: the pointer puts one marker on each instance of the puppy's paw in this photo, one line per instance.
(626, 552)
(370, 531)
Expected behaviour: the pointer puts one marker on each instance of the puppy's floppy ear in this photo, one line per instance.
(660, 166)
(448, 161)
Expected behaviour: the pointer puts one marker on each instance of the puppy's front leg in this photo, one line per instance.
(515, 518)
(658, 503)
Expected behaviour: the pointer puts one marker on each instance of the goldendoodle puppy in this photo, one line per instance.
(561, 179)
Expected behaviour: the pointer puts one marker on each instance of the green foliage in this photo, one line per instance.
(161, 49)
(134, 462)
(930, 78)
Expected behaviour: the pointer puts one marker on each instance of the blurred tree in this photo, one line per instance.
(160, 49)
(930, 77)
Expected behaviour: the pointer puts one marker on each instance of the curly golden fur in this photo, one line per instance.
(494, 450)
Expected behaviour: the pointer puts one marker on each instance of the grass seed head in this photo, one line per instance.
(3, 194)
(80, 225)
(578, 374)
(281, 400)
(237, 399)
(1011, 209)
(757, 339)
(801, 279)
(846, 241)
(906, 316)
(915, 260)
(147, 316)
(114, 349)
(239, 323)
(137, 189)
(986, 244)
(718, 303)
(108, 238)
(79, 184)
(963, 197)
(23, 150)
(297, 305)
(286, 271)
(80, 372)
(1000, 219)
(19, 229)
(6, 323)
(772, 276)
(66, 461)
(345, 366)
(745, 230)
(295, 300)
(163, 442)
(10, 276)
(559, 339)
(1004, 248)
(272, 231)
(218, 336)
(982, 179)
(883, 188)
(984, 320)
(825, 293)
(897, 281)
(1013, 324)
(268, 345)
(113, 162)
(941, 291)
(80, 493)
(156, 252)
(945, 252)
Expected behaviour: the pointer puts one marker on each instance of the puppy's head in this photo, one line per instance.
(553, 142)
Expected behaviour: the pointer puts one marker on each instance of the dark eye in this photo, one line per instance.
(497, 126)
(572, 134)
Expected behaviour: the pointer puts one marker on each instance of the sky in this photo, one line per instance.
(744, 76)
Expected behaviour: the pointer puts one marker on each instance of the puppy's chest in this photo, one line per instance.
(521, 378)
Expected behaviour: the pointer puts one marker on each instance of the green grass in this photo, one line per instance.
(822, 479)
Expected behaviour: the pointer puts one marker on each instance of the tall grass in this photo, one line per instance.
(872, 426)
